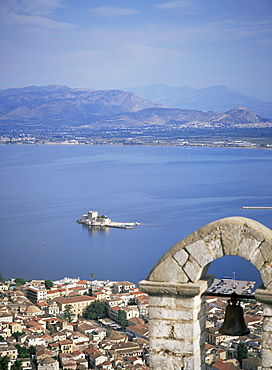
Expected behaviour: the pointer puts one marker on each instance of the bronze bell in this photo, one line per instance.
(234, 323)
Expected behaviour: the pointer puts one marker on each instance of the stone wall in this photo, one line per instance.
(176, 283)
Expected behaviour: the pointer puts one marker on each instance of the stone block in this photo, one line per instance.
(202, 311)
(267, 310)
(181, 257)
(266, 273)
(264, 295)
(247, 248)
(215, 248)
(267, 325)
(168, 271)
(202, 323)
(266, 358)
(177, 347)
(159, 328)
(267, 340)
(202, 340)
(257, 259)
(231, 238)
(159, 313)
(165, 362)
(192, 362)
(266, 249)
(254, 232)
(192, 270)
(159, 301)
(200, 253)
(186, 331)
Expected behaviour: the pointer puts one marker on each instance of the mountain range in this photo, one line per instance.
(215, 98)
(53, 106)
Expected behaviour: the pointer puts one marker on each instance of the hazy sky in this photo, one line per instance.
(108, 44)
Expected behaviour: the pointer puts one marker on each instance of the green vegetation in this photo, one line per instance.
(17, 334)
(24, 352)
(108, 331)
(68, 312)
(242, 352)
(122, 317)
(2, 280)
(17, 365)
(4, 362)
(96, 310)
(20, 281)
(48, 284)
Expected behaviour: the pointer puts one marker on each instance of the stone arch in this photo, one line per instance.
(176, 283)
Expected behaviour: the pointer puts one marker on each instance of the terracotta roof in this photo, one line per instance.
(115, 335)
(32, 309)
(65, 300)
(48, 360)
(123, 283)
(136, 320)
(219, 364)
(140, 329)
(253, 361)
(65, 341)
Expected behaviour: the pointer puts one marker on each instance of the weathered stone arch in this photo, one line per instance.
(176, 283)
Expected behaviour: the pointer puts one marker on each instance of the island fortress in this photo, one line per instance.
(93, 219)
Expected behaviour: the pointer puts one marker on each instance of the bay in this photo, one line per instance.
(171, 191)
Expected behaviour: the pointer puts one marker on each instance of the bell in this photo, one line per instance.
(234, 323)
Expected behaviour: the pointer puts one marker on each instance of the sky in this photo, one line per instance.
(115, 44)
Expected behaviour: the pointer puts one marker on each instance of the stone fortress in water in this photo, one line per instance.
(93, 219)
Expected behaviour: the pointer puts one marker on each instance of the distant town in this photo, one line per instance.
(91, 324)
(149, 136)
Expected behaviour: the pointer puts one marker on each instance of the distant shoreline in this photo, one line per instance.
(189, 145)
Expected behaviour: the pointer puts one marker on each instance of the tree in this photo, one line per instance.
(17, 334)
(132, 302)
(2, 280)
(20, 281)
(92, 275)
(4, 363)
(23, 352)
(48, 284)
(32, 350)
(122, 317)
(68, 312)
(241, 352)
(108, 331)
(96, 310)
(17, 365)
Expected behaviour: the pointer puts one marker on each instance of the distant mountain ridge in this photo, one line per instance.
(215, 98)
(55, 103)
(239, 117)
(61, 107)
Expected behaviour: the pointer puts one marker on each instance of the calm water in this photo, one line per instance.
(170, 191)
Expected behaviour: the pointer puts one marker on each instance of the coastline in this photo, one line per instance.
(165, 144)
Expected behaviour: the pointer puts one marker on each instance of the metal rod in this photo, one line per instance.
(238, 296)
(248, 207)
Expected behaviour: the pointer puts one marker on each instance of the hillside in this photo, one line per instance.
(53, 105)
(60, 107)
(239, 117)
(215, 98)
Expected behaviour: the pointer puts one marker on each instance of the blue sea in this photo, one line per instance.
(171, 191)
